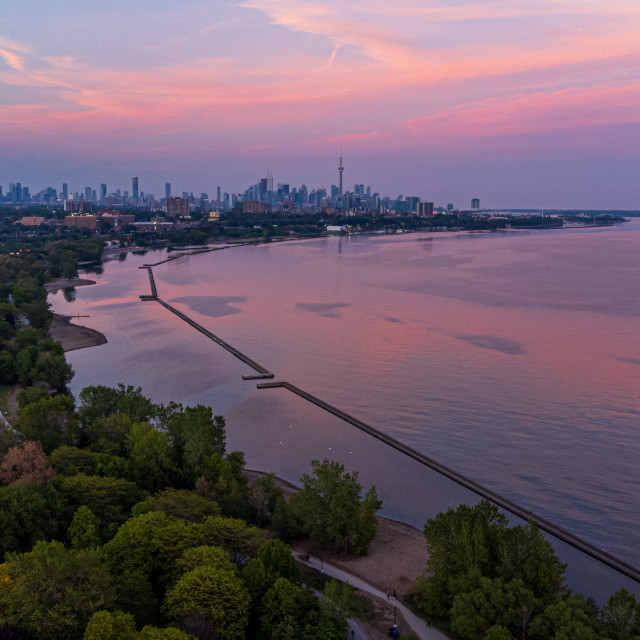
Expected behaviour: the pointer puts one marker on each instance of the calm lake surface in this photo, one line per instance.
(511, 357)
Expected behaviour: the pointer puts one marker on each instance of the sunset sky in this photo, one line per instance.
(527, 103)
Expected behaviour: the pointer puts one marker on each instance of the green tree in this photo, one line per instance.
(56, 590)
(71, 460)
(459, 540)
(263, 497)
(8, 373)
(84, 530)
(333, 511)
(195, 434)
(110, 499)
(277, 559)
(111, 625)
(283, 605)
(523, 552)
(566, 619)
(181, 504)
(28, 513)
(51, 421)
(204, 556)
(151, 452)
(237, 537)
(621, 616)
(31, 394)
(209, 597)
(101, 402)
(109, 435)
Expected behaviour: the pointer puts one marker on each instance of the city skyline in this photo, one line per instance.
(530, 106)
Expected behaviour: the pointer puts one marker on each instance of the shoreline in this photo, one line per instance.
(397, 555)
(72, 336)
(66, 283)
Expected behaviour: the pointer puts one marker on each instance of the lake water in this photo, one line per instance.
(511, 357)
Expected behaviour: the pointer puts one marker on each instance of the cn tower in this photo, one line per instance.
(340, 170)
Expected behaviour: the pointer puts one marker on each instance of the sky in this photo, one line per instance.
(534, 103)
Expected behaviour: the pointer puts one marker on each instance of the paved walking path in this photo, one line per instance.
(418, 626)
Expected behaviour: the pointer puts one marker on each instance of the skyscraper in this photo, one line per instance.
(103, 192)
(134, 188)
(475, 203)
(65, 191)
(167, 190)
(340, 170)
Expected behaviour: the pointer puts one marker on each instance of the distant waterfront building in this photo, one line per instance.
(177, 207)
(475, 203)
(253, 206)
(425, 209)
(78, 206)
(31, 221)
(76, 221)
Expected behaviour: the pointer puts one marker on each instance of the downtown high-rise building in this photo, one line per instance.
(134, 188)
(167, 190)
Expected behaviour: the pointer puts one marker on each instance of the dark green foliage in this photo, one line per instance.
(70, 461)
(84, 530)
(209, 599)
(56, 590)
(180, 503)
(570, 617)
(29, 513)
(29, 395)
(150, 451)
(278, 561)
(263, 497)
(333, 511)
(485, 574)
(51, 421)
(109, 435)
(101, 402)
(110, 499)
(8, 374)
(195, 435)
(107, 625)
(621, 616)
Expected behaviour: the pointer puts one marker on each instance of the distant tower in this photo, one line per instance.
(134, 188)
(475, 203)
(167, 190)
(340, 170)
(103, 192)
(65, 191)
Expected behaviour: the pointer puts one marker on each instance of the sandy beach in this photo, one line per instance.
(66, 283)
(72, 336)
